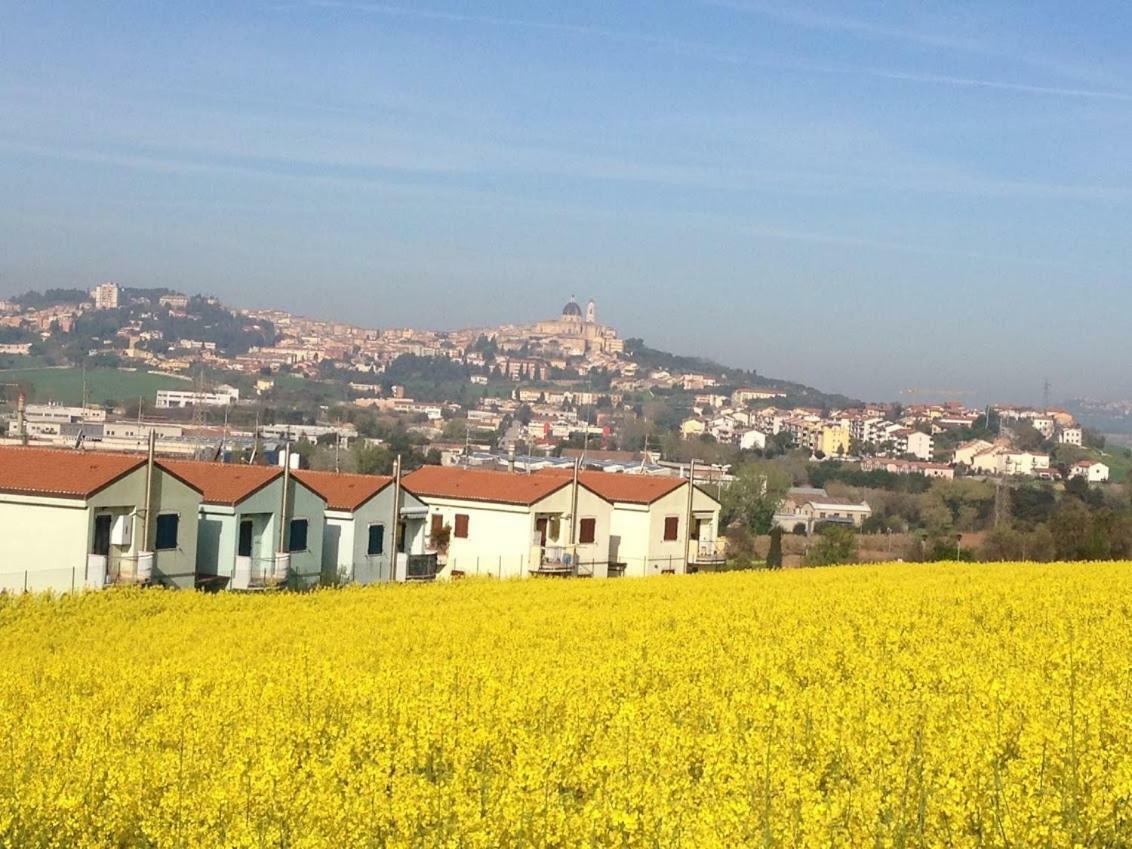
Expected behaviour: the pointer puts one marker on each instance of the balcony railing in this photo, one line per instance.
(420, 567)
(706, 551)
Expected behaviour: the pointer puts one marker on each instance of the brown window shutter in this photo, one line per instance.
(437, 524)
(671, 528)
(462, 525)
(587, 530)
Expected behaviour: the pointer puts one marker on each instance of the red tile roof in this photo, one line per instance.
(635, 489)
(65, 474)
(481, 485)
(222, 483)
(343, 491)
(626, 488)
(615, 486)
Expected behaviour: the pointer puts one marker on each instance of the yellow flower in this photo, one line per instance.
(891, 705)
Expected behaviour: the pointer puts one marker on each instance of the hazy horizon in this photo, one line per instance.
(862, 201)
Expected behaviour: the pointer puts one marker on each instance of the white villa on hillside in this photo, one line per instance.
(810, 507)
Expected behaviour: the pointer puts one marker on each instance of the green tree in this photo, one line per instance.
(455, 430)
(834, 544)
(774, 555)
(754, 495)
(368, 459)
(1072, 529)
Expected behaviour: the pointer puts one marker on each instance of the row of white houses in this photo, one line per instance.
(71, 519)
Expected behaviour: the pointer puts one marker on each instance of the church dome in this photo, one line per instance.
(572, 309)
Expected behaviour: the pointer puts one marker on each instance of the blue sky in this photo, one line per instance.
(867, 197)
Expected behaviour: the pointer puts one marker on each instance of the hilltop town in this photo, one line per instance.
(472, 396)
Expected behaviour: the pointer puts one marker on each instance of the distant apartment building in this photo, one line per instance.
(752, 440)
(741, 397)
(174, 301)
(966, 452)
(1044, 425)
(920, 445)
(908, 467)
(695, 382)
(1009, 463)
(832, 440)
(178, 398)
(105, 296)
(809, 507)
(1094, 471)
(62, 413)
(1070, 436)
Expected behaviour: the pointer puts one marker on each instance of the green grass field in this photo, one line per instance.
(1118, 462)
(65, 385)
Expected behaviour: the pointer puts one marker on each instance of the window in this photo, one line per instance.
(376, 540)
(461, 529)
(297, 539)
(101, 542)
(437, 525)
(166, 536)
(587, 530)
(671, 528)
(244, 545)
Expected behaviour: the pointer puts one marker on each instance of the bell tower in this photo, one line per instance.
(591, 312)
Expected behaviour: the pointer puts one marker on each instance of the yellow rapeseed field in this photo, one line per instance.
(879, 706)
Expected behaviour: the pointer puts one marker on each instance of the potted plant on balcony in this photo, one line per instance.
(438, 541)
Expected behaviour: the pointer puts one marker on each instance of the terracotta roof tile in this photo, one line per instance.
(67, 474)
(343, 491)
(635, 489)
(481, 485)
(617, 486)
(222, 483)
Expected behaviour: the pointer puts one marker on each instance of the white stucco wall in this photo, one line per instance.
(176, 566)
(629, 536)
(345, 551)
(594, 557)
(49, 551)
(640, 531)
(499, 537)
(56, 534)
(219, 532)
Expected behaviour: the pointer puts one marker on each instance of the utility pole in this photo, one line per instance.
(689, 515)
(395, 522)
(574, 509)
(21, 414)
(282, 563)
(1045, 396)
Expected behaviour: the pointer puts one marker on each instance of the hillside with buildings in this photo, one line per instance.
(116, 370)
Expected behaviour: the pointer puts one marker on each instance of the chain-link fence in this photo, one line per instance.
(522, 567)
(257, 574)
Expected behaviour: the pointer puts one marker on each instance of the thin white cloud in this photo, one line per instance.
(714, 54)
(392, 10)
(933, 37)
(1002, 85)
(808, 19)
